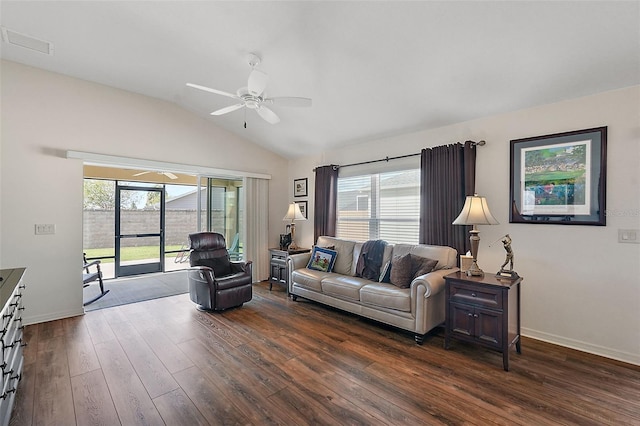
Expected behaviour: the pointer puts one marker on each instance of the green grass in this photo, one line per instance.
(130, 253)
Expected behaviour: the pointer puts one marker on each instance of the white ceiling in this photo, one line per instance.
(373, 69)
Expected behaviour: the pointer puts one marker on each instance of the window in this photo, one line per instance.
(380, 206)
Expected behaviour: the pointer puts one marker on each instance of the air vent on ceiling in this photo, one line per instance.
(28, 42)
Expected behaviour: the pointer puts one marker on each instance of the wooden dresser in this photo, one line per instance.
(11, 287)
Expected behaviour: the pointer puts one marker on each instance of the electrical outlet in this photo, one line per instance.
(628, 236)
(45, 229)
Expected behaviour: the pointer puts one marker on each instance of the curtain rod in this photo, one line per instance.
(479, 143)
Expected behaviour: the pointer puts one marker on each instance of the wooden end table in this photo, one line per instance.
(484, 310)
(278, 260)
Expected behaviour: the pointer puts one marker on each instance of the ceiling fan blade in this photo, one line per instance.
(268, 115)
(141, 173)
(257, 82)
(289, 101)
(170, 175)
(227, 109)
(209, 89)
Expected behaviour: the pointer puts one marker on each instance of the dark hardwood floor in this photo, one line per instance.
(275, 361)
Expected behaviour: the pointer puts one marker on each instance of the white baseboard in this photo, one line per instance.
(52, 316)
(582, 346)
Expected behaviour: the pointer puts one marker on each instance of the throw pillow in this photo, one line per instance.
(322, 259)
(385, 274)
(401, 272)
(221, 265)
(421, 265)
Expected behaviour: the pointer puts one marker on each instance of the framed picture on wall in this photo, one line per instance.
(559, 178)
(303, 208)
(300, 187)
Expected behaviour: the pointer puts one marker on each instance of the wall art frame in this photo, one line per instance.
(303, 208)
(300, 187)
(559, 178)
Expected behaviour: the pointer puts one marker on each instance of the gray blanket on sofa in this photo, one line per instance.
(370, 259)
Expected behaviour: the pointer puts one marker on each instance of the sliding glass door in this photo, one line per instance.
(220, 207)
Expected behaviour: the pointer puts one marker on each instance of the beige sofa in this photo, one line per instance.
(418, 308)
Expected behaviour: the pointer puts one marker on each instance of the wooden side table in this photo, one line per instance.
(484, 310)
(278, 260)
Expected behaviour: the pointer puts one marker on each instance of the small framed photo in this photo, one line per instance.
(300, 187)
(303, 208)
(559, 178)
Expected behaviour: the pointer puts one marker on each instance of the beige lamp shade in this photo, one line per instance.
(475, 212)
(294, 213)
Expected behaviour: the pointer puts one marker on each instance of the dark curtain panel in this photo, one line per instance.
(448, 175)
(326, 200)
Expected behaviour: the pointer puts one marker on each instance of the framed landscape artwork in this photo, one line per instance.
(300, 187)
(559, 178)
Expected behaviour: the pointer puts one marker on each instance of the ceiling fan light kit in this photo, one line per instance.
(252, 96)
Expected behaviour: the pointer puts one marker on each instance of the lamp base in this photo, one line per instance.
(474, 270)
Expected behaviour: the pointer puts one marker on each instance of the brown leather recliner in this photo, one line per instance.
(216, 283)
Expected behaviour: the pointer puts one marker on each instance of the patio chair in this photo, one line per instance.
(89, 276)
(234, 250)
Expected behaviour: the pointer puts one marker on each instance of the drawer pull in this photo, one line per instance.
(13, 304)
(469, 314)
(24, 344)
(4, 373)
(21, 308)
(474, 295)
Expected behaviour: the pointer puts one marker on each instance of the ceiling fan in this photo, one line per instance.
(253, 96)
(167, 174)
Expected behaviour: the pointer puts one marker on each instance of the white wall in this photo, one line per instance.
(44, 115)
(581, 287)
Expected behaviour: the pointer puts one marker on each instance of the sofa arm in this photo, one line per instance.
(297, 261)
(433, 281)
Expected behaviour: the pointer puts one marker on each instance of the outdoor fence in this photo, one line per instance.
(99, 226)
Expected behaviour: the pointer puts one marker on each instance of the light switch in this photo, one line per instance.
(45, 229)
(628, 236)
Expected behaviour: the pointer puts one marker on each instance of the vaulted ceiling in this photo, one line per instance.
(373, 69)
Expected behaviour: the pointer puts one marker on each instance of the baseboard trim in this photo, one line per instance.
(52, 316)
(582, 346)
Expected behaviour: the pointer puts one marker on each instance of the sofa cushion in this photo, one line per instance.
(386, 296)
(322, 259)
(446, 256)
(401, 271)
(421, 265)
(344, 260)
(344, 287)
(309, 278)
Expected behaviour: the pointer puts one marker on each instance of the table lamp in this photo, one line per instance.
(294, 214)
(475, 212)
